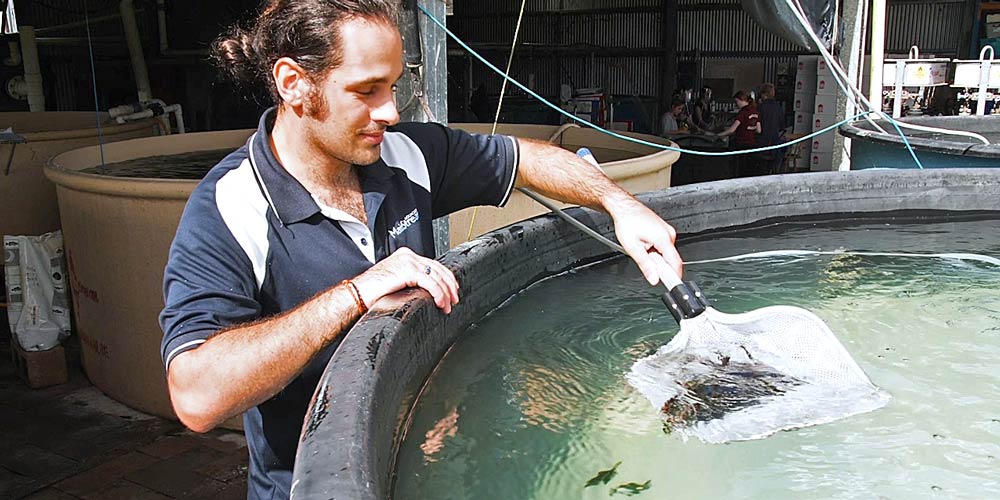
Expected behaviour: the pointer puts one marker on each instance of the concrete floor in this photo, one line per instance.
(72, 442)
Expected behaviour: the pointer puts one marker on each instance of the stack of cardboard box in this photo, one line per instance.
(824, 115)
(804, 101)
(815, 105)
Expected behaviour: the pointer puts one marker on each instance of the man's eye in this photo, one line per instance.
(366, 91)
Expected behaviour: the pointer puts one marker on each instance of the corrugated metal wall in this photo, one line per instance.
(624, 36)
(936, 26)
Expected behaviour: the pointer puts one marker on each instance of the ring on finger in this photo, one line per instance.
(427, 269)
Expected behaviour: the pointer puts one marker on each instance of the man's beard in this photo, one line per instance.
(315, 105)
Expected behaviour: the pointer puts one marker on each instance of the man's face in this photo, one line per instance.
(677, 110)
(349, 110)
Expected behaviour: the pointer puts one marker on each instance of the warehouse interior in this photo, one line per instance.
(617, 64)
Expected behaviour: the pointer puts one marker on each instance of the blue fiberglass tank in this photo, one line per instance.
(871, 148)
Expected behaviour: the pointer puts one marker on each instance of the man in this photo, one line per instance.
(772, 129)
(327, 208)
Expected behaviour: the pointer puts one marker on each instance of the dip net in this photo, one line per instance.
(731, 377)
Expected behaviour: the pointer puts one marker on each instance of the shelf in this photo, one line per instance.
(989, 7)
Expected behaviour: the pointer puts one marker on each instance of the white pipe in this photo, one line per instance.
(878, 51)
(557, 135)
(135, 50)
(161, 20)
(178, 116)
(149, 113)
(984, 78)
(962, 133)
(32, 69)
(897, 101)
(15, 54)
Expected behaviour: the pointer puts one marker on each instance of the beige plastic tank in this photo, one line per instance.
(27, 199)
(637, 168)
(117, 233)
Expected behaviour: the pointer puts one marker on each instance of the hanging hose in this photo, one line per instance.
(413, 58)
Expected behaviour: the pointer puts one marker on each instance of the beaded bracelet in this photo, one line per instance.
(362, 308)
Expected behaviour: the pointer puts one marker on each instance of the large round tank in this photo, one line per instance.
(27, 198)
(635, 167)
(871, 148)
(359, 413)
(117, 233)
(25, 191)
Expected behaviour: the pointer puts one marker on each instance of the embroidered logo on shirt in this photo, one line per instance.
(404, 223)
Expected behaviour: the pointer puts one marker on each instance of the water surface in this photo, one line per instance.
(533, 402)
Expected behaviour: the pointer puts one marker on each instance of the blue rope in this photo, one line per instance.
(93, 79)
(906, 141)
(653, 144)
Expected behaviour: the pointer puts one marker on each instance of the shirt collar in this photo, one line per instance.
(291, 201)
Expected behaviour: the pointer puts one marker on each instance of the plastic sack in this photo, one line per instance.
(38, 310)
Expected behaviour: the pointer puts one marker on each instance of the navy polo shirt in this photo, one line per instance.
(253, 242)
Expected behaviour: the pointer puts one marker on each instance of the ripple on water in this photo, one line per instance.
(532, 402)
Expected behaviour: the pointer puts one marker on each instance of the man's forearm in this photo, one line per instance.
(559, 174)
(562, 175)
(244, 366)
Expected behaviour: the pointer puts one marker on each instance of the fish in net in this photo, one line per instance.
(733, 377)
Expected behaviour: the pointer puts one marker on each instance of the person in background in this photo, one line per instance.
(674, 119)
(772, 129)
(744, 130)
(702, 115)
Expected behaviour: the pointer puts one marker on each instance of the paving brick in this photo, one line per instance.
(224, 440)
(178, 477)
(125, 489)
(125, 437)
(232, 491)
(50, 494)
(14, 485)
(229, 468)
(168, 446)
(70, 442)
(38, 464)
(101, 476)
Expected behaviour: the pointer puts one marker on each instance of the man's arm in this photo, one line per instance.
(559, 174)
(241, 367)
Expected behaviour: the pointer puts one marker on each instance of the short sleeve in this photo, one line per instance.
(209, 282)
(466, 169)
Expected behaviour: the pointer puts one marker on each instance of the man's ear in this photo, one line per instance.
(291, 81)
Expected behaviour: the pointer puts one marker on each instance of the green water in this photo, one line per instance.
(532, 402)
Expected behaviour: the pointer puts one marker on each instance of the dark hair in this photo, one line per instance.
(307, 31)
(743, 96)
(766, 90)
(676, 101)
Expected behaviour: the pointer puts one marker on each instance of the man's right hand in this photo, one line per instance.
(404, 269)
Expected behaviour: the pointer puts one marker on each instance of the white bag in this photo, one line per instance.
(38, 308)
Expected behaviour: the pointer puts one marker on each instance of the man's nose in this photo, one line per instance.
(386, 113)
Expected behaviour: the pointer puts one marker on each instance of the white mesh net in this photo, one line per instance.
(731, 377)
